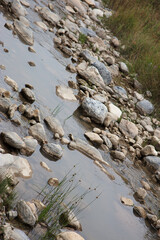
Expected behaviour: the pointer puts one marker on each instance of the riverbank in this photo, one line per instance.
(67, 82)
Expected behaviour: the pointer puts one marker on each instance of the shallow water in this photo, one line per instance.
(105, 218)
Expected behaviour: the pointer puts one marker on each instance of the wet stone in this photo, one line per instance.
(13, 139)
(18, 9)
(52, 150)
(54, 125)
(25, 213)
(4, 105)
(38, 132)
(28, 94)
(25, 33)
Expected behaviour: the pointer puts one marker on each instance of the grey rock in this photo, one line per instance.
(123, 67)
(153, 163)
(30, 145)
(88, 32)
(94, 137)
(28, 94)
(13, 139)
(4, 105)
(145, 107)
(118, 155)
(107, 142)
(105, 74)
(69, 236)
(18, 9)
(49, 16)
(88, 56)
(128, 128)
(25, 213)
(13, 233)
(120, 91)
(54, 125)
(52, 150)
(95, 109)
(38, 132)
(25, 33)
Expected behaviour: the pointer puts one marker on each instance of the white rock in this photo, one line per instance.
(114, 110)
(94, 137)
(65, 93)
(11, 83)
(45, 166)
(42, 25)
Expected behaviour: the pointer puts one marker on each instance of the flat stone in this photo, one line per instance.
(11, 83)
(69, 236)
(25, 33)
(38, 132)
(65, 93)
(17, 8)
(54, 125)
(128, 128)
(52, 150)
(145, 107)
(28, 94)
(14, 165)
(87, 150)
(25, 213)
(95, 109)
(153, 163)
(49, 16)
(25, 3)
(105, 74)
(88, 32)
(24, 20)
(42, 25)
(94, 137)
(127, 201)
(13, 139)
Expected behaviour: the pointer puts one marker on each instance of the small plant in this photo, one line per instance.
(56, 110)
(82, 38)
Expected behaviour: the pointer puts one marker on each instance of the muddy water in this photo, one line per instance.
(105, 218)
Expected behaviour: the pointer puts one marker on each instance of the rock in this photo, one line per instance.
(32, 64)
(65, 141)
(113, 109)
(141, 193)
(155, 141)
(11, 83)
(4, 105)
(25, 3)
(66, 50)
(123, 67)
(114, 139)
(78, 5)
(97, 12)
(42, 25)
(69, 217)
(25, 213)
(95, 109)
(28, 94)
(121, 92)
(92, 76)
(153, 163)
(71, 68)
(140, 211)
(118, 155)
(90, 2)
(87, 56)
(8, 26)
(25, 33)
(152, 218)
(105, 74)
(12, 214)
(106, 141)
(49, 16)
(31, 49)
(70, 9)
(145, 107)
(18, 9)
(126, 201)
(13, 140)
(53, 182)
(110, 118)
(30, 146)
(52, 150)
(115, 42)
(88, 32)
(87, 150)
(65, 93)
(12, 110)
(13, 233)
(69, 236)
(45, 166)
(24, 21)
(128, 128)
(72, 27)
(149, 150)
(38, 132)
(145, 185)
(14, 165)
(54, 125)
(94, 137)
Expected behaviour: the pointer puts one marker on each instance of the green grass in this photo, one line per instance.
(82, 38)
(137, 24)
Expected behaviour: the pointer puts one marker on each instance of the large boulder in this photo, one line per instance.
(105, 74)
(95, 109)
(145, 107)
(69, 236)
(13, 140)
(38, 132)
(54, 125)
(25, 213)
(52, 150)
(14, 165)
(153, 163)
(49, 16)
(25, 33)
(128, 128)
